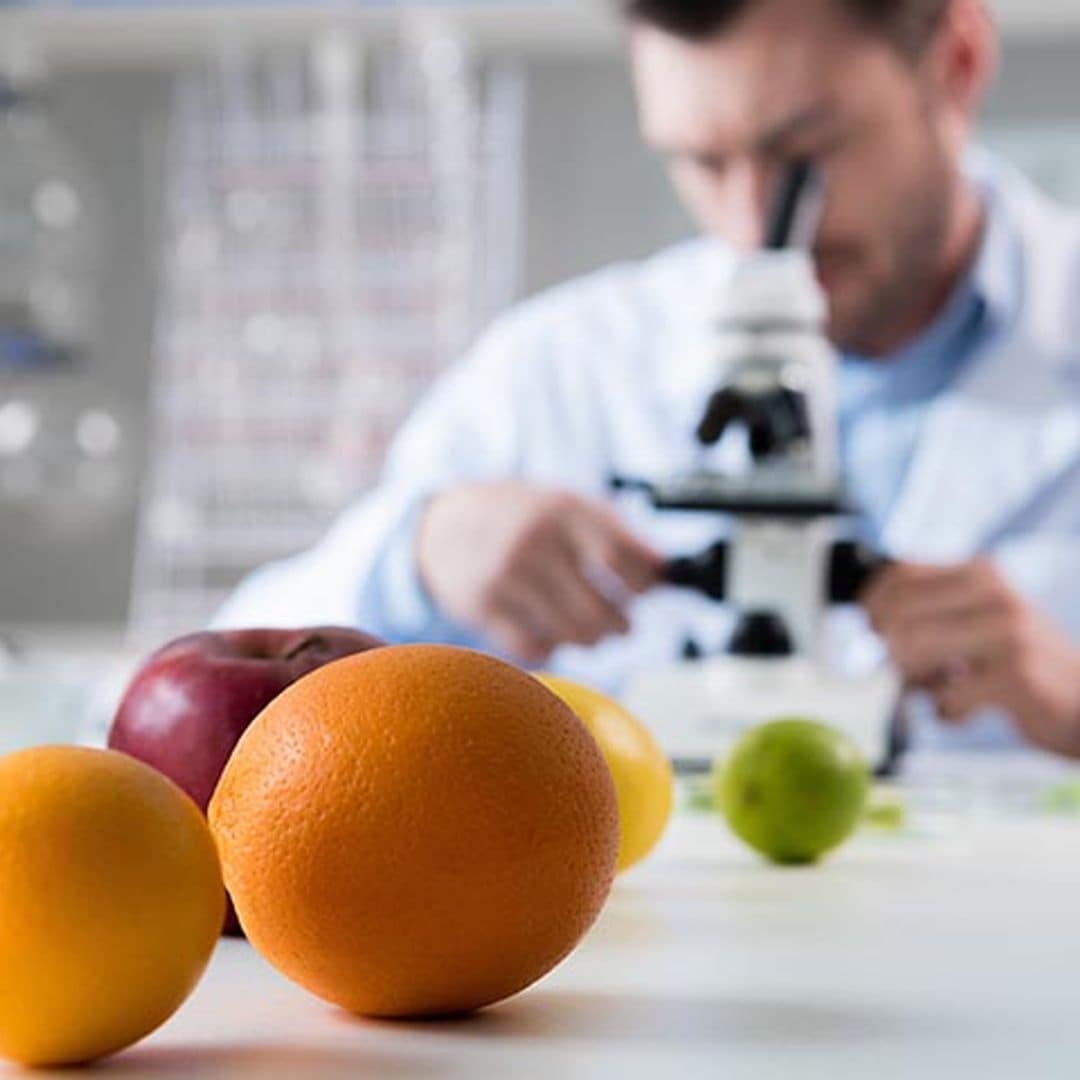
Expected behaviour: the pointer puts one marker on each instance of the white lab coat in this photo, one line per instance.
(609, 374)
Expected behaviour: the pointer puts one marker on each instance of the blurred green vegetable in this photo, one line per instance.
(885, 809)
(1063, 799)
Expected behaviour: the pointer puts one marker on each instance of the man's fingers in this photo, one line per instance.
(602, 540)
(958, 699)
(923, 650)
(903, 585)
(565, 579)
(587, 614)
(906, 592)
(525, 649)
(953, 597)
(554, 604)
(531, 605)
(511, 630)
(895, 579)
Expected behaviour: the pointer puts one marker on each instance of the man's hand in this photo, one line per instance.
(533, 569)
(964, 634)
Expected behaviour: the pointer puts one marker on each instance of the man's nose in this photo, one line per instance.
(746, 204)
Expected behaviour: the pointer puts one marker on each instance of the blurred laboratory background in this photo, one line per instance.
(237, 240)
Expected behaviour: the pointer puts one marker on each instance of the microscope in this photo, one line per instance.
(782, 562)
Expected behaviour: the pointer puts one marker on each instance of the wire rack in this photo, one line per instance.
(338, 224)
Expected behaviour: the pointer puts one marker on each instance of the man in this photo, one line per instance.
(953, 291)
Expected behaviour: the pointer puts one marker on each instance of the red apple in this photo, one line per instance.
(189, 703)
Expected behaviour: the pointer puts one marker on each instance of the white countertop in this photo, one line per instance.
(951, 950)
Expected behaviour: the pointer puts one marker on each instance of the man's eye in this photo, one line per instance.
(815, 151)
(708, 163)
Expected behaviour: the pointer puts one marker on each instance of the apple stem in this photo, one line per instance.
(300, 646)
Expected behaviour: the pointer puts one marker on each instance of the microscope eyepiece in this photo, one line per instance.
(796, 207)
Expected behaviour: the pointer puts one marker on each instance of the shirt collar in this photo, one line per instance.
(983, 305)
(996, 273)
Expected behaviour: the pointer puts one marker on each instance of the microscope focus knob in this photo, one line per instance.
(852, 566)
(707, 572)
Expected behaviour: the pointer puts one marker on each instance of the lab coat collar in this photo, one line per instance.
(1011, 423)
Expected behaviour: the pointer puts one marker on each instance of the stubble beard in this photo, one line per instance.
(893, 306)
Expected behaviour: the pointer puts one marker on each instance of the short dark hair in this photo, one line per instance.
(909, 25)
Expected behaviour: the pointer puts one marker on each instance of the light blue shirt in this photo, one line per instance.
(883, 403)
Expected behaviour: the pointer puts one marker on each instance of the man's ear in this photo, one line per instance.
(962, 64)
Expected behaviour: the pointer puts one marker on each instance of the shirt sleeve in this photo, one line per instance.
(363, 572)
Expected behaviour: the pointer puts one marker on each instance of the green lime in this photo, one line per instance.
(792, 789)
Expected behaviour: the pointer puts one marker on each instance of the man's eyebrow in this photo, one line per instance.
(804, 120)
(771, 140)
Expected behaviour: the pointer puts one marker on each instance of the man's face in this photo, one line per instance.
(797, 78)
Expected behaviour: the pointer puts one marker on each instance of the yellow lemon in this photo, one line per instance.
(644, 785)
(111, 901)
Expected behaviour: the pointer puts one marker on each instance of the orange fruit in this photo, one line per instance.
(417, 830)
(644, 782)
(111, 901)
